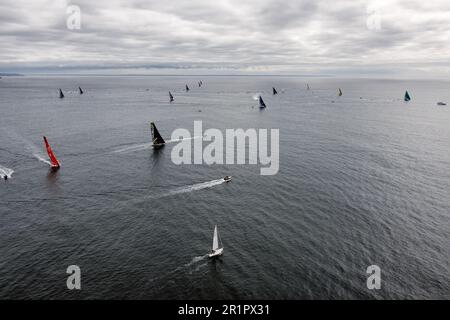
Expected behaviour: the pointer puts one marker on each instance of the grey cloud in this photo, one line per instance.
(292, 36)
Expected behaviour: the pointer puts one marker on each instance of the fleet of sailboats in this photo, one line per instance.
(158, 141)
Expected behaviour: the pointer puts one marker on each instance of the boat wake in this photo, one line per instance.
(178, 140)
(193, 266)
(41, 158)
(144, 146)
(256, 96)
(133, 148)
(194, 187)
(30, 147)
(195, 260)
(6, 172)
(196, 264)
(36, 152)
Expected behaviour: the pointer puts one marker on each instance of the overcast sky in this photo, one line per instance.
(387, 37)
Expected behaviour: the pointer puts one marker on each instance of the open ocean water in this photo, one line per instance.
(363, 180)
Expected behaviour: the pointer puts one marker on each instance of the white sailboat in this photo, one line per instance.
(216, 250)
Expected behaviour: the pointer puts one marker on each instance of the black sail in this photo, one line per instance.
(156, 137)
(274, 91)
(407, 97)
(261, 103)
(81, 91)
(170, 96)
(61, 94)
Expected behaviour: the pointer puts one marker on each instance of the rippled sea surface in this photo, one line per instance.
(364, 179)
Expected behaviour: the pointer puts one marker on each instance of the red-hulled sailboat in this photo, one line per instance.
(54, 162)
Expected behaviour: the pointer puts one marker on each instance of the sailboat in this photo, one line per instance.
(340, 92)
(61, 94)
(157, 140)
(81, 91)
(170, 97)
(216, 250)
(307, 86)
(274, 91)
(54, 162)
(200, 83)
(187, 88)
(407, 97)
(261, 103)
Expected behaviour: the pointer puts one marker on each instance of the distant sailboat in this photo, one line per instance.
(340, 92)
(217, 250)
(157, 140)
(61, 94)
(170, 97)
(54, 162)
(274, 91)
(187, 88)
(407, 97)
(200, 83)
(81, 90)
(261, 102)
(307, 86)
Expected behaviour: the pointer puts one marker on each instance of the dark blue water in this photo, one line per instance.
(363, 180)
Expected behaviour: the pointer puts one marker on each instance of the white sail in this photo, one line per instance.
(215, 239)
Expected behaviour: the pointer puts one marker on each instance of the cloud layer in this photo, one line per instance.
(394, 37)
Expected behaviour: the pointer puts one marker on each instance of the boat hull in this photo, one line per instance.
(216, 253)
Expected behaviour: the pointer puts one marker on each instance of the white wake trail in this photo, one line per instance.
(178, 140)
(30, 147)
(36, 152)
(194, 187)
(41, 158)
(195, 260)
(144, 146)
(133, 148)
(4, 171)
(256, 96)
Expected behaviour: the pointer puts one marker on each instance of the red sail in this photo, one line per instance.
(53, 160)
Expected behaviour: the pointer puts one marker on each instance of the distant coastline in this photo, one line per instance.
(11, 75)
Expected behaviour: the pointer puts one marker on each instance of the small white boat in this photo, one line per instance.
(227, 178)
(216, 250)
